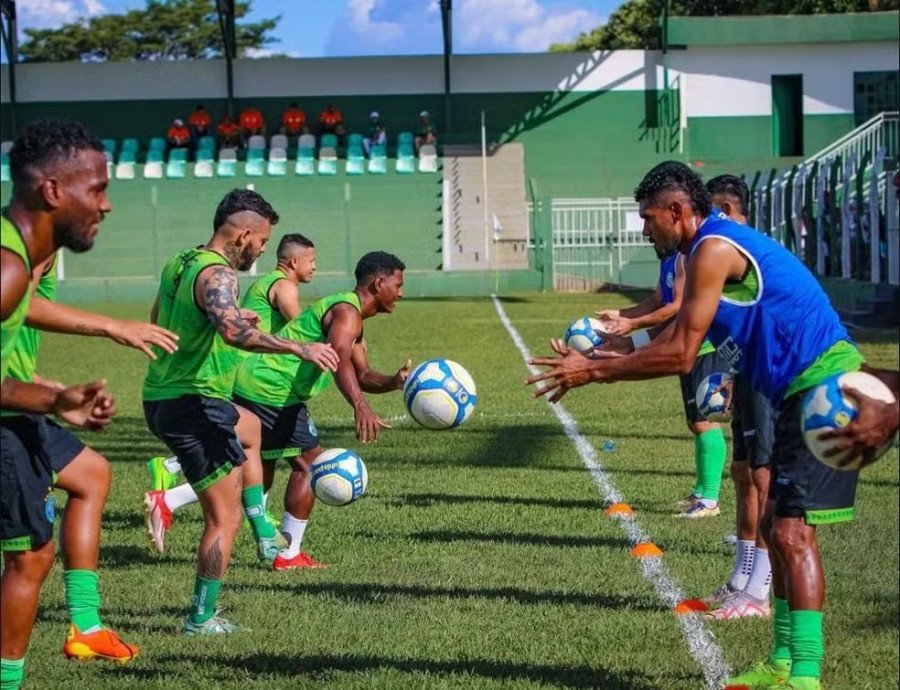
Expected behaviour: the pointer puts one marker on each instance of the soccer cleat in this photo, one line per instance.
(267, 549)
(212, 626)
(741, 606)
(301, 560)
(160, 477)
(688, 501)
(761, 676)
(102, 644)
(699, 510)
(725, 593)
(798, 683)
(159, 518)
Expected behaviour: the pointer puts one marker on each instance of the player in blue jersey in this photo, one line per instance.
(766, 313)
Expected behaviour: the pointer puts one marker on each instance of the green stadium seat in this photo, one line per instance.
(176, 169)
(4, 172)
(205, 155)
(406, 160)
(329, 141)
(356, 161)
(4, 157)
(277, 164)
(227, 165)
(404, 138)
(109, 145)
(130, 144)
(203, 168)
(157, 144)
(377, 159)
(127, 157)
(178, 155)
(306, 162)
(206, 144)
(428, 162)
(255, 167)
(154, 156)
(306, 141)
(125, 171)
(354, 140)
(153, 170)
(256, 155)
(327, 161)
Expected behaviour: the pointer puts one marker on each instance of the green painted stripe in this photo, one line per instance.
(830, 516)
(211, 479)
(16, 544)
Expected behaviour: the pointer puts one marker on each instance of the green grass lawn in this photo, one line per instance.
(479, 557)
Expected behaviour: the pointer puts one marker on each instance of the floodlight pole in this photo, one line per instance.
(8, 31)
(225, 10)
(447, 26)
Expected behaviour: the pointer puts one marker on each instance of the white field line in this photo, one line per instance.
(700, 641)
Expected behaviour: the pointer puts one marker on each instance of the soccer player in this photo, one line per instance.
(767, 314)
(275, 299)
(58, 200)
(709, 443)
(187, 394)
(276, 388)
(746, 594)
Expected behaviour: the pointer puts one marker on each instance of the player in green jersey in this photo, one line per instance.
(276, 388)
(58, 200)
(275, 299)
(187, 394)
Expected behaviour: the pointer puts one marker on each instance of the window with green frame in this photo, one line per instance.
(873, 93)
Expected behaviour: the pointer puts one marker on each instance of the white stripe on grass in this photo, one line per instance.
(700, 640)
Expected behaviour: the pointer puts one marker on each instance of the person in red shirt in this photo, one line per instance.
(252, 122)
(229, 133)
(178, 136)
(200, 122)
(293, 121)
(331, 121)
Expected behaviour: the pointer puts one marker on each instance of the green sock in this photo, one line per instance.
(83, 599)
(203, 603)
(781, 628)
(710, 452)
(255, 510)
(807, 645)
(12, 671)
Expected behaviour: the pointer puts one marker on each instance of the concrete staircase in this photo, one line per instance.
(469, 243)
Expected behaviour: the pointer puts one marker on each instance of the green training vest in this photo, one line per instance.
(11, 240)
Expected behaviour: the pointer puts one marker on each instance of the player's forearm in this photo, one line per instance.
(26, 397)
(241, 334)
(654, 318)
(348, 384)
(376, 382)
(647, 306)
(59, 318)
(671, 353)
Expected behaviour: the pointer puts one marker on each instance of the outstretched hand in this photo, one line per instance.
(368, 424)
(141, 336)
(570, 369)
(402, 375)
(614, 323)
(876, 422)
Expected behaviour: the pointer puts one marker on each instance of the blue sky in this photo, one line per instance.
(325, 28)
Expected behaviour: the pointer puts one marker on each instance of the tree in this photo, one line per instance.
(635, 24)
(165, 30)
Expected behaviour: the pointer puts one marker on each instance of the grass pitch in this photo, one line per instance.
(480, 557)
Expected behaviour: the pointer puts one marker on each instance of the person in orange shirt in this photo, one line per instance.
(331, 121)
(252, 122)
(178, 136)
(293, 121)
(229, 133)
(200, 122)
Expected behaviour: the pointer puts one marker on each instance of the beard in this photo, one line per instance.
(662, 253)
(74, 241)
(241, 259)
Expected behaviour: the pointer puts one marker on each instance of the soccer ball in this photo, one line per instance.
(826, 407)
(440, 394)
(714, 397)
(338, 477)
(582, 335)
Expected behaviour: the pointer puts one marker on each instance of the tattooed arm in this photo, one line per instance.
(216, 293)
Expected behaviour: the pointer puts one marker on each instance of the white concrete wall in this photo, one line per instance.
(735, 80)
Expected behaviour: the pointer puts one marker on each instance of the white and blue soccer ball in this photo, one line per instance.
(827, 407)
(582, 335)
(440, 394)
(714, 397)
(338, 477)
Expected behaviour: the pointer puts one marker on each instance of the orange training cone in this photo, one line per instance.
(619, 509)
(690, 606)
(646, 549)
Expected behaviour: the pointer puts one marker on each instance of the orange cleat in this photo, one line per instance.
(301, 560)
(102, 644)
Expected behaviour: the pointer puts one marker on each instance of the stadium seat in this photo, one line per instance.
(227, 165)
(329, 141)
(356, 161)
(406, 161)
(176, 168)
(130, 144)
(404, 138)
(109, 145)
(354, 140)
(277, 161)
(257, 141)
(278, 141)
(206, 144)
(378, 159)
(428, 162)
(157, 144)
(306, 162)
(327, 161)
(154, 156)
(178, 155)
(306, 141)
(127, 157)
(255, 155)
(205, 155)
(255, 167)
(4, 172)
(153, 170)
(125, 171)
(203, 168)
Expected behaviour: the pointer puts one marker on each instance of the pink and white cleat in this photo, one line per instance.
(741, 606)
(158, 518)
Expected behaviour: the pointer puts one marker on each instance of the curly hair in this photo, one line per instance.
(672, 176)
(292, 239)
(732, 186)
(376, 263)
(45, 143)
(238, 200)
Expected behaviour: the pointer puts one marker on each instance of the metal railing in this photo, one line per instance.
(881, 132)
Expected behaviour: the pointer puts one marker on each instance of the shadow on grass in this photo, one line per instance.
(123, 555)
(425, 500)
(325, 668)
(362, 593)
(520, 538)
(157, 618)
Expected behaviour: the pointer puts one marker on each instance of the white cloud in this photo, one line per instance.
(47, 14)
(254, 53)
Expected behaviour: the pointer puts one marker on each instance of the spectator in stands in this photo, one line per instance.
(178, 136)
(425, 132)
(229, 133)
(252, 122)
(331, 121)
(293, 121)
(200, 122)
(376, 134)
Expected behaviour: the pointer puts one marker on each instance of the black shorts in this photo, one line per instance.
(27, 510)
(753, 425)
(200, 431)
(286, 431)
(801, 486)
(711, 363)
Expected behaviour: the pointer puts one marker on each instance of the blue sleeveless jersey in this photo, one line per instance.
(667, 278)
(789, 324)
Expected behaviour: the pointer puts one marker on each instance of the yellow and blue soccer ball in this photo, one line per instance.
(440, 394)
(338, 477)
(827, 407)
(582, 335)
(714, 397)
